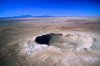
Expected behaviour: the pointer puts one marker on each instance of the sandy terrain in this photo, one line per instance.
(63, 41)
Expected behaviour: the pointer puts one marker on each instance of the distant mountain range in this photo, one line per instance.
(41, 16)
(27, 16)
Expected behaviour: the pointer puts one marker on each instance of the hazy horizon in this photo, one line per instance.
(10, 8)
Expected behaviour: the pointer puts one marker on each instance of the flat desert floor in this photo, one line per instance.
(56, 41)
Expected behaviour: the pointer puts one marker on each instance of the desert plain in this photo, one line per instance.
(53, 41)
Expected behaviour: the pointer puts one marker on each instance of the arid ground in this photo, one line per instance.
(55, 41)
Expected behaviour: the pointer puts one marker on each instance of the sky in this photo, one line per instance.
(10, 8)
